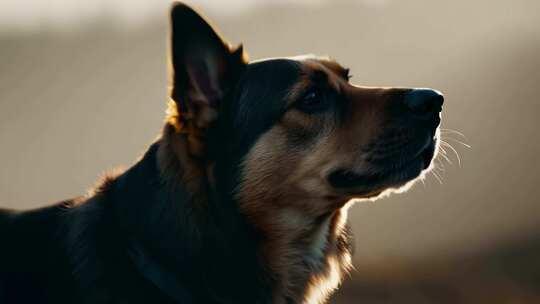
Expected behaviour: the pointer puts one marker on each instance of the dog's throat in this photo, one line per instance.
(298, 250)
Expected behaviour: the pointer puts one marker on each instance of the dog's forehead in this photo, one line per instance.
(269, 86)
(295, 74)
(308, 63)
(324, 63)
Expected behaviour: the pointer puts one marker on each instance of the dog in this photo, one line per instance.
(244, 196)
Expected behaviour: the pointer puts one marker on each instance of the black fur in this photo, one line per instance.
(77, 251)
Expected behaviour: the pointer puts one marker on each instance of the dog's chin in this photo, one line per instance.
(391, 177)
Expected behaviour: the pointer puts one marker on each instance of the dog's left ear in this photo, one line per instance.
(204, 68)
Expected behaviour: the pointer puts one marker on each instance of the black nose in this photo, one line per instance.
(423, 103)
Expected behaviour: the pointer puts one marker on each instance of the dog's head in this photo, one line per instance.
(294, 133)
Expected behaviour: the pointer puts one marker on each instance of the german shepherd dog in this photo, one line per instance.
(242, 199)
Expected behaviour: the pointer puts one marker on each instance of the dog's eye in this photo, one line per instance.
(312, 98)
(313, 101)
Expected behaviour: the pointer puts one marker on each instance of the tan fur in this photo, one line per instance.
(284, 192)
(291, 218)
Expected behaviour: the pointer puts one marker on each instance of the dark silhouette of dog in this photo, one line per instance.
(242, 199)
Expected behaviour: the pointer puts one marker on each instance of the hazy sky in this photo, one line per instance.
(57, 14)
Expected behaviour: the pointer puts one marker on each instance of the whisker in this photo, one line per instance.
(440, 167)
(443, 155)
(452, 148)
(442, 150)
(459, 142)
(438, 170)
(437, 177)
(443, 130)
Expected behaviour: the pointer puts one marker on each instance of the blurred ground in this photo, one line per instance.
(76, 102)
(506, 273)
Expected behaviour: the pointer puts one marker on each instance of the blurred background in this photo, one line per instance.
(83, 89)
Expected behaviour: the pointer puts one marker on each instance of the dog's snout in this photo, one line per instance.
(423, 103)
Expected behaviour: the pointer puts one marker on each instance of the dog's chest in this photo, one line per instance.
(310, 268)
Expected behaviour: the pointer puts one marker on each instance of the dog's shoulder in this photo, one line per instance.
(99, 230)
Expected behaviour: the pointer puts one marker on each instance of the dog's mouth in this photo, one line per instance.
(390, 175)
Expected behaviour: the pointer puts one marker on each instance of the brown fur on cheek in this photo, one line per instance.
(282, 194)
(281, 171)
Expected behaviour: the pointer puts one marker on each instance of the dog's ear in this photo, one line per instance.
(204, 68)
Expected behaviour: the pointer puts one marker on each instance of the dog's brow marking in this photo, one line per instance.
(319, 72)
(335, 67)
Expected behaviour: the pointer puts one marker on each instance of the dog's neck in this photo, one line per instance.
(227, 251)
(306, 257)
(303, 258)
(168, 204)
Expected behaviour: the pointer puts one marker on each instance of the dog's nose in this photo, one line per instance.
(423, 103)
